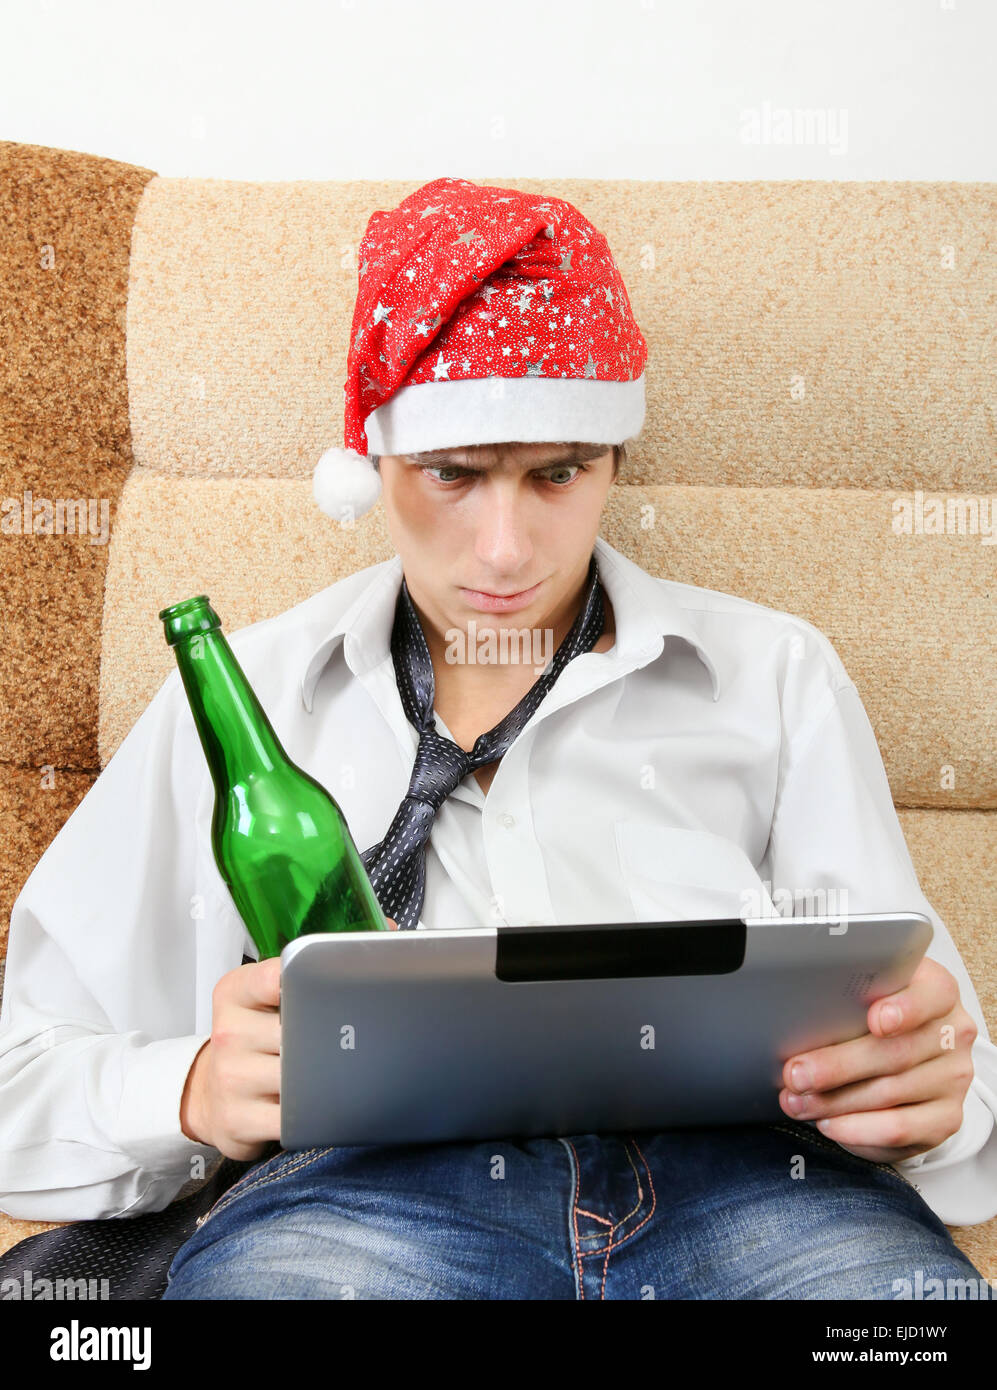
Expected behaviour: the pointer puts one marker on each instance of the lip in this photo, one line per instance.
(500, 603)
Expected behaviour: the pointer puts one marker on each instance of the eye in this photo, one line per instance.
(563, 468)
(454, 468)
(445, 468)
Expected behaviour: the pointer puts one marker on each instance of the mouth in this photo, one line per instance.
(500, 603)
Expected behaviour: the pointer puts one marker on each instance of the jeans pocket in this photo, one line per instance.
(806, 1131)
(267, 1170)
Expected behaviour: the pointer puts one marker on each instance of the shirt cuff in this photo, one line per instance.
(969, 1138)
(958, 1178)
(149, 1117)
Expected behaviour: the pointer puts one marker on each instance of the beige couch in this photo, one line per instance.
(177, 348)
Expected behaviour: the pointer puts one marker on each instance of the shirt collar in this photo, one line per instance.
(643, 608)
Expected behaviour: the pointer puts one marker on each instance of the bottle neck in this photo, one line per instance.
(235, 733)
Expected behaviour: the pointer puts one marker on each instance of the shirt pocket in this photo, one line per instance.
(673, 874)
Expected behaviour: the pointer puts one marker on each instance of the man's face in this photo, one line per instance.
(496, 519)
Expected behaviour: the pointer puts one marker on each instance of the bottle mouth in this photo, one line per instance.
(175, 610)
(186, 619)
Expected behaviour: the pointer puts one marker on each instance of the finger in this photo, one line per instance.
(827, 1068)
(932, 993)
(887, 1136)
(394, 924)
(248, 1030)
(258, 984)
(943, 1076)
(263, 1079)
(268, 1084)
(244, 1076)
(263, 1117)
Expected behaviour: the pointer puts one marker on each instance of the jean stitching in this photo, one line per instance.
(595, 1217)
(614, 1226)
(654, 1202)
(605, 1268)
(817, 1138)
(242, 1186)
(576, 1254)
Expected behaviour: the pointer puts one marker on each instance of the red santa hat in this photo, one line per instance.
(482, 316)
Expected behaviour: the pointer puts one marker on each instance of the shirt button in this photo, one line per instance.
(506, 820)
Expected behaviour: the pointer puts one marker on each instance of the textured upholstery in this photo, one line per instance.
(177, 348)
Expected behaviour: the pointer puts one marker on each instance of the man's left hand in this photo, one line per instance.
(899, 1089)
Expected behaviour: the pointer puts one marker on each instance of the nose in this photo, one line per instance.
(502, 540)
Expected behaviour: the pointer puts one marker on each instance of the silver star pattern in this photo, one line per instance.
(435, 250)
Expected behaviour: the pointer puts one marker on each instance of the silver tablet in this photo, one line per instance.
(436, 1035)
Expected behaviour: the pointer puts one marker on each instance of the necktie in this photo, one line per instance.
(397, 864)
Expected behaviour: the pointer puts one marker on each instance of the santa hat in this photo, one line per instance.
(482, 316)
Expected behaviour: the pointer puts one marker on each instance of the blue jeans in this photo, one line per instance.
(772, 1211)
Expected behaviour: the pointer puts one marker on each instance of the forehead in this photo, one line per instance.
(517, 453)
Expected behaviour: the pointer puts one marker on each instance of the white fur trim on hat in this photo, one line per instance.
(345, 484)
(498, 410)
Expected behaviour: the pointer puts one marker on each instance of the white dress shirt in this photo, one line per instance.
(716, 756)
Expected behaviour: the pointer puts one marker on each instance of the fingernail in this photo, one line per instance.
(889, 1018)
(803, 1077)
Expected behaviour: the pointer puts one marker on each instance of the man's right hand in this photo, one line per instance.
(231, 1098)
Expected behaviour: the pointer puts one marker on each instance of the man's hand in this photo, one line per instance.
(899, 1089)
(231, 1098)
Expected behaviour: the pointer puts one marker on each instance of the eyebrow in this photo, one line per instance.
(579, 453)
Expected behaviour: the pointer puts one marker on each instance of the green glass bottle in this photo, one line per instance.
(280, 841)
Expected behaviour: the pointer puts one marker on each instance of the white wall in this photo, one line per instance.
(416, 89)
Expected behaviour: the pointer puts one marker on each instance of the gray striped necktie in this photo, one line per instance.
(397, 864)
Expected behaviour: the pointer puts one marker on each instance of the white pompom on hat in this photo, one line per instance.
(483, 316)
(345, 484)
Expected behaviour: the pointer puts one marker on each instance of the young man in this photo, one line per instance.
(497, 791)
